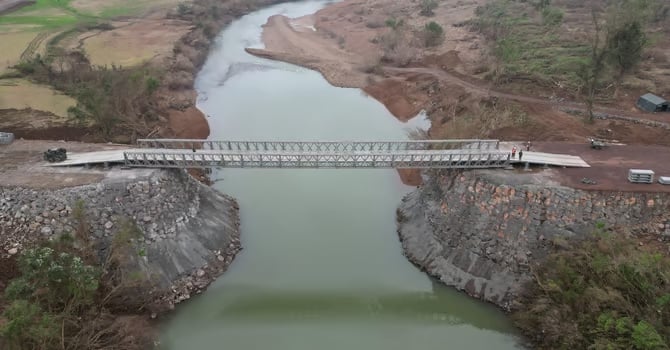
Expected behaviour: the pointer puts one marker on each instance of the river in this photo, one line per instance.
(322, 267)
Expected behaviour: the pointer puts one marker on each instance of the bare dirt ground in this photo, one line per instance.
(23, 157)
(190, 123)
(609, 166)
(39, 125)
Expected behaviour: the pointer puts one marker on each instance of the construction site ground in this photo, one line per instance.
(609, 166)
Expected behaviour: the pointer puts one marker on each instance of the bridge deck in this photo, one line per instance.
(213, 158)
(555, 159)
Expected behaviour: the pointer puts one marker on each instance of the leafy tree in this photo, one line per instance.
(625, 47)
(54, 287)
(591, 69)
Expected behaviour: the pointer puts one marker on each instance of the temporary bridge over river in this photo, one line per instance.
(196, 153)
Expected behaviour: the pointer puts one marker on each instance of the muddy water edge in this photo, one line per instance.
(322, 266)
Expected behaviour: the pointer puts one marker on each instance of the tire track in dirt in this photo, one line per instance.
(33, 46)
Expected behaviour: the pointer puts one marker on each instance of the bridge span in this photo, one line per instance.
(197, 153)
(180, 153)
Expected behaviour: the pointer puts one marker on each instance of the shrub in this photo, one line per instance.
(60, 301)
(602, 293)
(552, 16)
(433, 34)
(394, 23)
(428, 7)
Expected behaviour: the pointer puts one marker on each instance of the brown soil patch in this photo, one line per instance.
(8, 271)
(609, 166)
(190, 123)
(38, 125)
(410, 177)
(393, 94)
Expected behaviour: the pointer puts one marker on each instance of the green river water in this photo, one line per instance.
(322, 267)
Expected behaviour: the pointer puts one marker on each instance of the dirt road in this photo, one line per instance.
(484, 89)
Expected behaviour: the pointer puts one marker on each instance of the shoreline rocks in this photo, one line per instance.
(482, 231)
(184, 226)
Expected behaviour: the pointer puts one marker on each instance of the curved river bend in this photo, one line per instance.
(322, 266)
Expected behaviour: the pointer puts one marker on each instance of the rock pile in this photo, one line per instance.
(185, 227)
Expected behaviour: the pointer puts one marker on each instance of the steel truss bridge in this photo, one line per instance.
(187, 153)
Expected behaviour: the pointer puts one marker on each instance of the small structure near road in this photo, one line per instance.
(6, 138)
(652, 103)
(641, 176)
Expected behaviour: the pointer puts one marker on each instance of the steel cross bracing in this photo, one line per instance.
(319, 146)
(177, 158)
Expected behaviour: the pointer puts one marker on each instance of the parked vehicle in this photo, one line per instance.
(597, 144)
(54, 155)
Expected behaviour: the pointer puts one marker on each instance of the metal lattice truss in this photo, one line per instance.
(319, 147)
(178, 158)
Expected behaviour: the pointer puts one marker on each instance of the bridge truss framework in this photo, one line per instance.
(179, 153)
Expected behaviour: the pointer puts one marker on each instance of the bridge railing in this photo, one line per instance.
(320, 146)
(463, 159)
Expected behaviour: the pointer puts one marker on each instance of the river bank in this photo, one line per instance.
(378, 46)
(484, 232)
(189, 232)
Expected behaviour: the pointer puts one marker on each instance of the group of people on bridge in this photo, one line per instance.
(514, 149)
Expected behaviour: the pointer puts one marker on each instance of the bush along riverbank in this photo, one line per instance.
(604, 292)
(98, 260)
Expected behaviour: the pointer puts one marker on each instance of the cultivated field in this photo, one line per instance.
(20, 94)
(110, 32)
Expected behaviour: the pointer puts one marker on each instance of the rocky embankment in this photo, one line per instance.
(482, 231)
(189, 232)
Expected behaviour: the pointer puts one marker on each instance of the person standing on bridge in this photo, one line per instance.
(527, 147)
(520, 154)
(514, 152)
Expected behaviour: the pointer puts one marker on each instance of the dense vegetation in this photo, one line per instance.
(602, 293)
(115, 100)
(68, 298)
